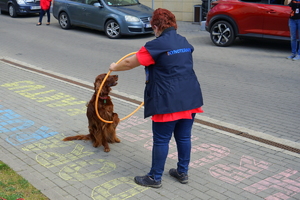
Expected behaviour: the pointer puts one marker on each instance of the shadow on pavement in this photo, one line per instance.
(262, 44)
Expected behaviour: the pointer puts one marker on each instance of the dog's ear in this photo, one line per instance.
(98, 81)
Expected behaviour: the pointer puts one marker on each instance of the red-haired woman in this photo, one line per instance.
(45, 8)
(172, 95)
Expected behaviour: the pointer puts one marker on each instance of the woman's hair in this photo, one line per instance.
(163, 18)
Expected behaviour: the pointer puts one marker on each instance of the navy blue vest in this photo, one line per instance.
(171, 83)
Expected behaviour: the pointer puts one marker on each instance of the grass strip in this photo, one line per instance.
(15, 187)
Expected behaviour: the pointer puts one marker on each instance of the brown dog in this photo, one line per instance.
(101, 133)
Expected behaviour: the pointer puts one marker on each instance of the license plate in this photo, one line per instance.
(147, 25)
(35, 7)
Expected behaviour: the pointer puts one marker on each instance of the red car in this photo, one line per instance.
(228, 19)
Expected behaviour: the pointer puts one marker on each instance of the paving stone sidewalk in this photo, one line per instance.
(37, 111)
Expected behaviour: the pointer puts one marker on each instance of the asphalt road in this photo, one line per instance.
(249, 86)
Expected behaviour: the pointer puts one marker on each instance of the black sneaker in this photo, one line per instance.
(147, 181)
(182, 178)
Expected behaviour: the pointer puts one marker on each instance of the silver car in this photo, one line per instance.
(115, 17)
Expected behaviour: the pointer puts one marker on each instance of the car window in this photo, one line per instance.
(91, 2)
(278, 2)
(255, 1)
(121, 2)
(79, 1)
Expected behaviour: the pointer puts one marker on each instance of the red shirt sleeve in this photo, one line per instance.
(144, 57)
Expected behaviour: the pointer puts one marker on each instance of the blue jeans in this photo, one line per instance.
(162, 133)
(294, 25)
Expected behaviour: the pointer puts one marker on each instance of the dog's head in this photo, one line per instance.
(111, 81)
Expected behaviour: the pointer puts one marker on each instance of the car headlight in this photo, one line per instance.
(130, 18)
(20, 2)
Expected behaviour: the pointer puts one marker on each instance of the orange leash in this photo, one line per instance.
(100, 88)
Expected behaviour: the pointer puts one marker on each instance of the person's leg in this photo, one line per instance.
(298, 34)
(293, 33)
(162, 133)
(48, 16)
(182, 134)
(42, 13)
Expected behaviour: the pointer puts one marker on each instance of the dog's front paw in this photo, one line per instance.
(106, 150)
(117, 140)
(96, 144)
(116, 119)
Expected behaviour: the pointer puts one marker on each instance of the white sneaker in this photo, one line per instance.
(297, 57)
(291, 56)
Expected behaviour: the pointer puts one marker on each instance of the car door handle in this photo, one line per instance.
(271, 11)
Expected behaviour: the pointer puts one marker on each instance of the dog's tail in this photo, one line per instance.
(77, 137)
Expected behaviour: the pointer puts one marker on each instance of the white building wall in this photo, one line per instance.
(182, 9)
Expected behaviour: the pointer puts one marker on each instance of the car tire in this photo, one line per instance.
(222, 34)
(112, 29)
(12, 11)
(64, 21)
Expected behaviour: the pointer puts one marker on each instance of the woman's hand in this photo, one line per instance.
(112, 66)
(286, 2)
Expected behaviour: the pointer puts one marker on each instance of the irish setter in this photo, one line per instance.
(101, 133)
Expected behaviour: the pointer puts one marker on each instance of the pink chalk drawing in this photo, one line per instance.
(235, 174)
(134, 137)
(148, 145)
(130, 122)
(287, 187)
(215, 152)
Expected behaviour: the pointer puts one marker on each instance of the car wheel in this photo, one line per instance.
(64, 21)
(112, 29)
(222, 34)
(12, 11)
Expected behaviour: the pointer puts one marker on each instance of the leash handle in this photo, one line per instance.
(100, 88)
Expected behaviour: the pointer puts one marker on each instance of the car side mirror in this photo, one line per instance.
(98, 5)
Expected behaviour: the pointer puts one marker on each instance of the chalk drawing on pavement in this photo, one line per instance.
(38, 93)
(52, 159)
(233, 174)
(216, 152)
(105, 191)
(51, 142)
(12, 122)
(75, 171)
(280, 182)
(131, 137)
(285, 186)
(130, 122)
(21, 138)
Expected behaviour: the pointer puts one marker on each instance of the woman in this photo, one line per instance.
(172, 95)
(45, 8)
(294, 24)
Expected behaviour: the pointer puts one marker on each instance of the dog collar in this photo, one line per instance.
(104, 98)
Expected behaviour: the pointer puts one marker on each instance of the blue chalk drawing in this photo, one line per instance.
(21, 138)
(16, 123)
